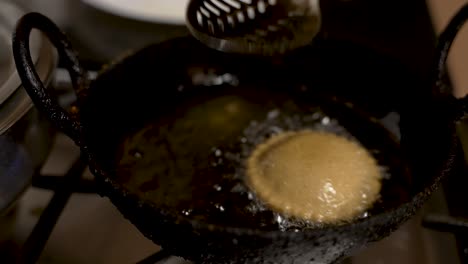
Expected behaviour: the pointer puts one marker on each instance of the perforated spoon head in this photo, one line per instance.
(262, 27)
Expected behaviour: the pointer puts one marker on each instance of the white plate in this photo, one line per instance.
(158, 11)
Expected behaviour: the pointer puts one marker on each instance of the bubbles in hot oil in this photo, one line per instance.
(279, 219)
(287, 223)
(325, 121)
(273, 114)
(278, 121)
(218, 153)
(312, 118)
(211, 78)
(187, 212)
(238, 188)
(219, 207)
(274, 121)
(217, 157)
(256, 206)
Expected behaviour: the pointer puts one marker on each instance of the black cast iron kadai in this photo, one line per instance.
(150, 128)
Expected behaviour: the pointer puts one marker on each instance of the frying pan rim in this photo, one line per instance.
(412, 204)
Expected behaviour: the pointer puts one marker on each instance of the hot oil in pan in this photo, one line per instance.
(192, 161)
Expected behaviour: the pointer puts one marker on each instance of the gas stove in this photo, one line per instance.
(86, 228)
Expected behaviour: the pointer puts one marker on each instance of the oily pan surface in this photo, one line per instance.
(146, 111)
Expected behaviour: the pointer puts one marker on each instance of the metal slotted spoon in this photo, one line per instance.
(262, 27)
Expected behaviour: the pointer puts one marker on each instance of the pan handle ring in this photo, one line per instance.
(44, 101)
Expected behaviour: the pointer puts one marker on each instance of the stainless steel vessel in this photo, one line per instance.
(25, 137)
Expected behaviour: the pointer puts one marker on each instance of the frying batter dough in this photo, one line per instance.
(314, 176)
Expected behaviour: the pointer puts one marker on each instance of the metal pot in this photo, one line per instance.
(25, 135)
(141, 88)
